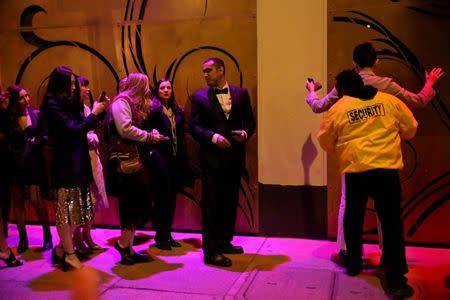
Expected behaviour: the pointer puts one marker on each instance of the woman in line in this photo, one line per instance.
(71, 168)
(28, 178)
(82, 238)
(169, 161)
(6, 254)
(126, 139)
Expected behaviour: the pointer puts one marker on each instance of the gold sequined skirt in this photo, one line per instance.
(74, 206)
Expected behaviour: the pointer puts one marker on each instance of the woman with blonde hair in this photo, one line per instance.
(126, 141)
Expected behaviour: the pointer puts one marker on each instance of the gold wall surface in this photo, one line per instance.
(291, 47)
(105, 40)
(411, 37)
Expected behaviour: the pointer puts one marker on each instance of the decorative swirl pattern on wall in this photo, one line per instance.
(26, 20)
(131, 44)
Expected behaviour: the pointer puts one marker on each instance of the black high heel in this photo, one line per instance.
(139, 258)
(163, 245)
(125, 256)
(55, 258)
(23, 241)
(48, 242)
(82, 250)
(65, 264)
(173, 243)
(11, 261)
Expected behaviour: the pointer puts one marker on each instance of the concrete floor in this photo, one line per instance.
(271, 268)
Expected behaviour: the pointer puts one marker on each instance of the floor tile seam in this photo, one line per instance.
(111, 286)
(244, 273)
(246, 287)
(333, 285)
(159, 290)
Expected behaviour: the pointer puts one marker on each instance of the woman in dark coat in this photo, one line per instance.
(6, 254)
(25, 136)
(71, 172)
(169, 160)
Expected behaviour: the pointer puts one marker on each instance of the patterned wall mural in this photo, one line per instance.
(410, 37)
(106, 40)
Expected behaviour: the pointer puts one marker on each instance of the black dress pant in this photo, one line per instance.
(383, 185)
(220, 196)
(165, 185)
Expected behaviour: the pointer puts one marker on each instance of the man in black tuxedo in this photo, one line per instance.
(221, 121)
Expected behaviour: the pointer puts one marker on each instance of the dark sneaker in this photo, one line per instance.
(353, 270)
(403, 291)
(339, 258)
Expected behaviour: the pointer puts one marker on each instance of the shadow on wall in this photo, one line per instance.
(309, 154)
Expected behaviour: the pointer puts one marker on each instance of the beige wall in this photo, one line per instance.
(291, 46)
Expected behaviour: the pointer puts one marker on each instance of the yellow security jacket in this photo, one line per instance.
(366, 134)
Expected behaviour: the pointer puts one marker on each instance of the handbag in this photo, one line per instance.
(127, 155)
(130, 165)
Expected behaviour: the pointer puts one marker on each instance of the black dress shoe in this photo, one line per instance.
(403, 291)
(126, 258)
(173, 243)
(163, 245)
(217, 260)
(230, 249)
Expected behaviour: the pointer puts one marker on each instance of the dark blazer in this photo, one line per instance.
(158, 120)
(68, 127)
(207, 118)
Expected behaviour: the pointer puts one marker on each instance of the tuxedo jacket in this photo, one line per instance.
(208, 118)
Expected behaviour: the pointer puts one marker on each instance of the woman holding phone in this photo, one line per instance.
(82, 236)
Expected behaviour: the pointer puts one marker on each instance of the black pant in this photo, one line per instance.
(165, 184)
(383, 185)
(220, 196)
(135, 203)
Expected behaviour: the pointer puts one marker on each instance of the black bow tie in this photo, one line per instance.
(221, 91)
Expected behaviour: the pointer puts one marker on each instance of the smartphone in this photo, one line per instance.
(102, 97)
(317, 86)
